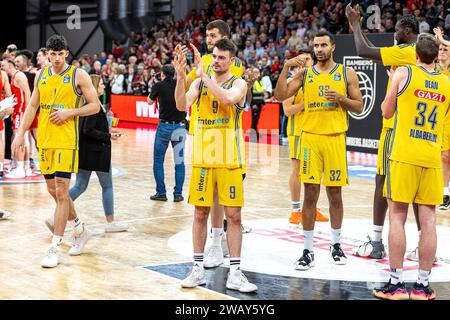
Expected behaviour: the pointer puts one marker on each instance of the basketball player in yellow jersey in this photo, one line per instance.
(401, 54)
(291, 108)
(418, 100)
(58, 89)
(443, 66)
(215, 31)
(217, 155)
(329, 91)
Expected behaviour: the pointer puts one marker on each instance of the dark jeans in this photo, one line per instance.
(256, 113)
(175, 134)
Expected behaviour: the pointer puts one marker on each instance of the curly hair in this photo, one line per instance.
(57, 43)
(411, 22)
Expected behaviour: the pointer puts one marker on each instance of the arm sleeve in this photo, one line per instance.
(155, 91)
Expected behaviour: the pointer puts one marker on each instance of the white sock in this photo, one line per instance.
(296, 207)
(56, 241)
(1, 166)
(446, 193)
(198, 259)
(423, 278)
(335, 236)
(217, 235)
(235, 264)
(377, 233)
(309, 238)
(77, 225)
(27, 164)
(20, 165)
(396, 276)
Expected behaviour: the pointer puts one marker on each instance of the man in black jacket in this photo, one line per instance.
(171, 128)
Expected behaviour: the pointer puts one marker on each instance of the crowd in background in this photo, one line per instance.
(266, 32)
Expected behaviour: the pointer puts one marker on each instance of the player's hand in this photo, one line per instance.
(390, 73)
(18, 144)
(438, 33)
(6, 112)
(198, 63)
(58, 116)
(180, 65)
(180, 49)
(295, 62)
(333, 96)
(352, 14)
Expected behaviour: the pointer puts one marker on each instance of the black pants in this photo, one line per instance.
(8, 136)
(256, 113)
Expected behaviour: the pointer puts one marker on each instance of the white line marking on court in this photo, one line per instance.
(96, 225)
(199, 287)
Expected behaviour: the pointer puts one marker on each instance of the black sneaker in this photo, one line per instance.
(392, 291)
(337, 255)
(421, 292)
(158, 197)
(306, 261)
(445, 203)
(178, 198)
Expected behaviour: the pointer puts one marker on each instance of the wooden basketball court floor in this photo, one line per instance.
(112, 266)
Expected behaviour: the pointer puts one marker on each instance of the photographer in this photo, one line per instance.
(171, 128)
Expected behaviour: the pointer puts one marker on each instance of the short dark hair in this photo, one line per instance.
(27, 53)
(43, 50)
(226, 45)
(57, 42)
(168, 70)
(409, 21)
(427, 48)
(306, 51)
(222, 26)
(25, 57)
(325, 34)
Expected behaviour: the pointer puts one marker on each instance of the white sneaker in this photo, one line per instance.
(238, 281)
(115, 226)
(51, 258)
(4, 214)
(246, 229)
(213, 257)
(79, 242)
(195, 278)
(224, 244)
(50, 223)
(17, 173)
(414, 255)
(29, 172)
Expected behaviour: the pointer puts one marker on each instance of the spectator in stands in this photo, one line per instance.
(117, 81)
(96, 68)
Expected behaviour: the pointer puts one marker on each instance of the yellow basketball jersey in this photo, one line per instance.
(419, 118)
(218, 138)
(57, 91)
(396, 56)
(294, 126)
(236, 69)
(445, 72)
(322, 116)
